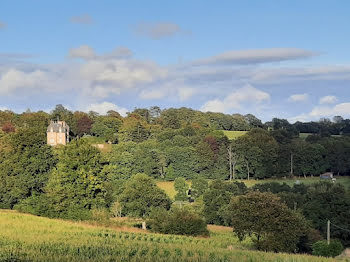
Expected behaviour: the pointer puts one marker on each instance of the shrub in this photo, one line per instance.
(179, 221)
(321, 248)
(100, 215)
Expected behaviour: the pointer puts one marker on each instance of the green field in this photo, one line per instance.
(168, 186)
(233, 134)
(29, 238)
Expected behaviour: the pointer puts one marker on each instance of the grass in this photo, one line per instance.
(25, 237)
(168, 186)
(99, 142)
(231, 135)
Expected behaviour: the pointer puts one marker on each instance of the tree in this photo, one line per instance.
(81, 123)
(8, 127)
(134, 128)
(270, 223)
(140, 194)
(333, 249)
(77, 184)
(198, 187)
(106, 127)
(325, 200)
(253, 121)
(179, 221)
(182, 188)
(61, 113)
(24, 166)
(217, 197)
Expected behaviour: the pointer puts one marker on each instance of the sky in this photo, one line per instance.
(285, 59)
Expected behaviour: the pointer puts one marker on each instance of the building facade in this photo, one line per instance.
(57, 133)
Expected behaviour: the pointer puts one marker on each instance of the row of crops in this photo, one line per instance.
(29, 238)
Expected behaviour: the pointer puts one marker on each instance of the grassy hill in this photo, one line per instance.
(234, 134)
(25, 237)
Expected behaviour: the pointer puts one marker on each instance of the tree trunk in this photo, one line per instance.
(233, 170)
(247, 169)
(229, 150)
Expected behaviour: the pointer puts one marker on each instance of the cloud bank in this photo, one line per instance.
(233, 83)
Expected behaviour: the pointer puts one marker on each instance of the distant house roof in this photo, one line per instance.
(58, 127)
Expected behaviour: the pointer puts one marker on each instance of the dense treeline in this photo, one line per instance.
(78, 181)
(186, 143)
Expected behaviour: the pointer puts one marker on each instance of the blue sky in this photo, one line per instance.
(287, 59)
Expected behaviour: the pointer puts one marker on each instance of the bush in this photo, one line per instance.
(100, 215)
(321, 248)
(179, 221)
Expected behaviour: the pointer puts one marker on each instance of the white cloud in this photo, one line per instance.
(282, 75)
(328, 100)
(298, 98)
(153, 94)
(2, 108)
(84, 19)
(119, 52)
(247, 95)
(104, 107)
(157, 30)
(14, 79)
(185, 93)
(87, 53)
(255, 56)
(342, 109)
(84, 52)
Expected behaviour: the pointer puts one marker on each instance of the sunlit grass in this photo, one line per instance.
(30, 238)
(233, 134)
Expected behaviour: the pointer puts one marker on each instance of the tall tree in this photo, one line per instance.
(77, 184)
(140, 194)
(270, 223)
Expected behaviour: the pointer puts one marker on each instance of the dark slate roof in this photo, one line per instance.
(56, 128)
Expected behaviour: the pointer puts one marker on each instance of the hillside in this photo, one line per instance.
(29, 238)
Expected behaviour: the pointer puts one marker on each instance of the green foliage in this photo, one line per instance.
(182, 188)
(321, 248)
(272, 187)
(77, 184)
(325, 200)
(24, 166)
(106, 127)
(134, 129)
(217, 197)
(270, 223)
(198, 187)
(178, 221)
(140, 194)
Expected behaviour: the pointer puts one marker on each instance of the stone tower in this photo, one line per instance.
(57, 133)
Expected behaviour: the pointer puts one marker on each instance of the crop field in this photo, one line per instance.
(231, 135)
(29, 238)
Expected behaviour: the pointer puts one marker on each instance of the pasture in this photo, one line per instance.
(26, 237)
(231, 135)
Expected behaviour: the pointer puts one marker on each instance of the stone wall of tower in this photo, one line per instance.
(56, 138)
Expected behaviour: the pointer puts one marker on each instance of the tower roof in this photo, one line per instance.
(57, 127)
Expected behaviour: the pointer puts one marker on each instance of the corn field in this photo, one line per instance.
(30, 238)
